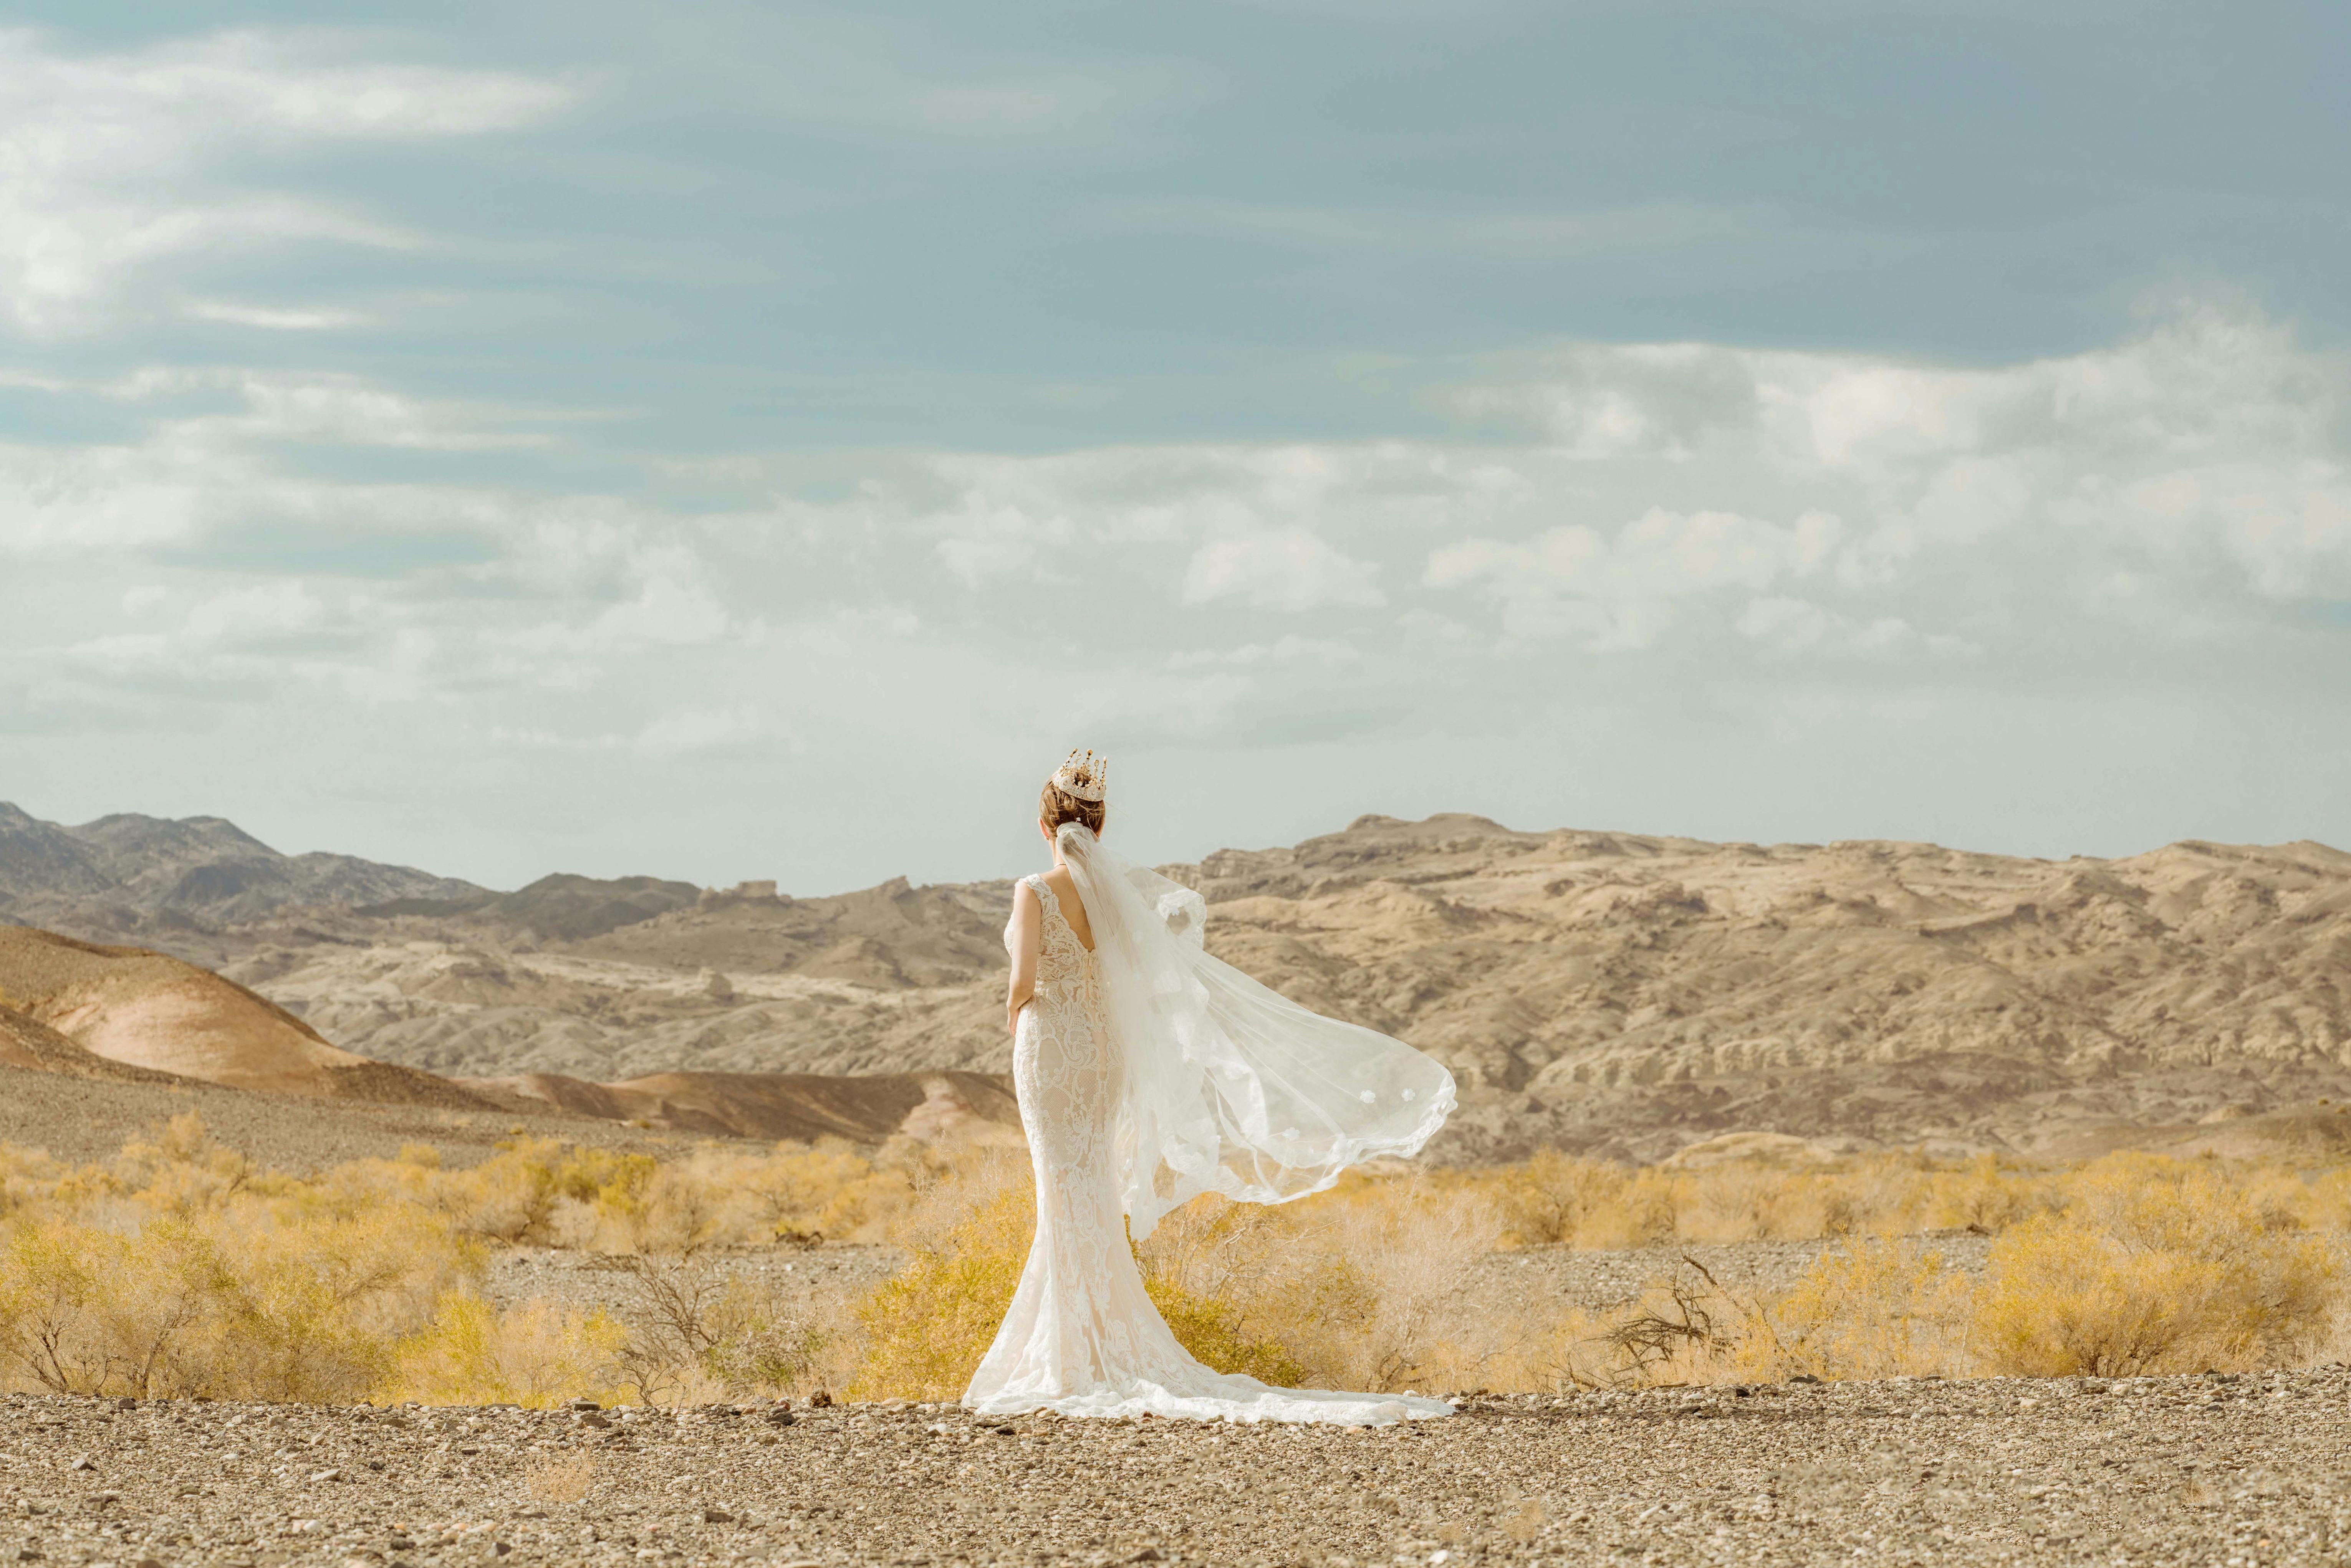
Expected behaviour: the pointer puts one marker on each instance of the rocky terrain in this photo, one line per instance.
(2155, 1471)
(179, 874)
(1608, 993)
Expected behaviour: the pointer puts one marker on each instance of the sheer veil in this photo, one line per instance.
(1224, 1085)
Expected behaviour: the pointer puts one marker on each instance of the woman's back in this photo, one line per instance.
(1073, 908)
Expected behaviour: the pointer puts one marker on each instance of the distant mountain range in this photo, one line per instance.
(200, 866)
(1611, 993)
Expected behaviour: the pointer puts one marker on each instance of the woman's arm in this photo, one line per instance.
(1028, 930)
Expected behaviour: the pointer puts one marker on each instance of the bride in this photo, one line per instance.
(1148, 1073)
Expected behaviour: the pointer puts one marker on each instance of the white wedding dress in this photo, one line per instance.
(1148, 1049)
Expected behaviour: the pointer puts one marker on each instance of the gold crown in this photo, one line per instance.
(1084, 777)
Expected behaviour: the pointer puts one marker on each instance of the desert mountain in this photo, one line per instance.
(118, 869)
(28, 1042)
(1616, 993)
(557, 907)
(128, 1015)
(144, 1010)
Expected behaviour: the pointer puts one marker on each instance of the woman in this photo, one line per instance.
(1148, 1073)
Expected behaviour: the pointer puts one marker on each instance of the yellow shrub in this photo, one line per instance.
(1981, 1196)
(927, 1328)
(1216, 1335)
(536, 1355)
(2156, 1265)
(1551, 1197)
(246, 1304)
(1873, 1309)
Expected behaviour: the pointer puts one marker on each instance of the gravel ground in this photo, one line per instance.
(1599, 1279)
(2226, 1471)
(1501, 1285)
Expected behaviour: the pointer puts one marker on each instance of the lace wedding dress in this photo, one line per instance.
(1148, 1073)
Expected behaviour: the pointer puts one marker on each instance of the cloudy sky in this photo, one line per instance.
(741, 440)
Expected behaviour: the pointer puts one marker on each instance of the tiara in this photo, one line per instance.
(1084, 778)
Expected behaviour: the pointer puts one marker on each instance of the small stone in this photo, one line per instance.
(81, 1462)
(326, 1476)
(716, 1516)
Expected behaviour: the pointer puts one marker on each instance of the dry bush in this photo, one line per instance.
(696, 1328)
(1983, 1196)
(2156, 1265)
(1254, 1290)
(1684, 1329)
(179, 1267)
(926, 1329)
(1745, 1202)
(1415, 1246)
(179, 1273)
(1551, 1197)
(537, 1355)
(1884, 1308)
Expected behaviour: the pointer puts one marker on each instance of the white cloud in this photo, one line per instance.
(103, 498)
(279, 318)
(985, 539)
(670, 607)
(1828, 528)
(254, 614)
(403, 672)
(1279, 568)
(699, 727)
(113, 162)
(1786, 623)
(318, 407)
(2289, 527)
(1618, 593)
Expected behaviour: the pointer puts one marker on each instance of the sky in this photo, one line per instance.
(739, 441)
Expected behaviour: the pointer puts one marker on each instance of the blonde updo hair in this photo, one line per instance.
(1057, 805)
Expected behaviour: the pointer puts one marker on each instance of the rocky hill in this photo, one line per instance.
(124, 870)
(1615, 993)
(145, 1011)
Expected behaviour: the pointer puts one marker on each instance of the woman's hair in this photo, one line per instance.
(1057, 805)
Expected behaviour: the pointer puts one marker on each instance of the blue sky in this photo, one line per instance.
(745, 441)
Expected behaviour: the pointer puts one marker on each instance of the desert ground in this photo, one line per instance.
(2241, 1470)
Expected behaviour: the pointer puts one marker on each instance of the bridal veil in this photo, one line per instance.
(1227, 1086)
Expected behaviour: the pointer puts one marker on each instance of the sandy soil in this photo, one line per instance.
(2205, 1471)
(80, 1119)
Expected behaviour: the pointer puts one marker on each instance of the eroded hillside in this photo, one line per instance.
(1607, 992)
(1604, 991)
